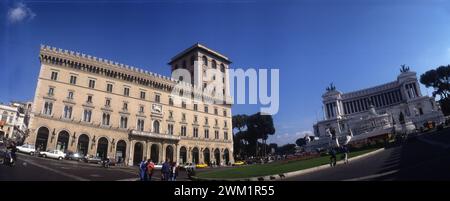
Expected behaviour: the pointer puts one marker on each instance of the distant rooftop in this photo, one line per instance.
(202, 47)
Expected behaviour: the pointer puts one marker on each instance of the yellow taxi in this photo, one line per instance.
(202, 165)
(239, 163)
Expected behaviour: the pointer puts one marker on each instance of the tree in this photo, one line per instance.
(439, 80)
(259, 127)
(301, 141)
(287, 149)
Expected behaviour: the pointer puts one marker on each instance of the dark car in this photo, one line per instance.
(75, 156)
(93, 159)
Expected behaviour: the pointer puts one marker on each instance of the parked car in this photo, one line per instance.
(239, 163)
(93, 159)
(74, 156)
(187, 166)
(202, 165)
(27, 148)
(56, 154)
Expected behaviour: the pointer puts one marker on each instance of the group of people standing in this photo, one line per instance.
(335, 146)
(169, 170)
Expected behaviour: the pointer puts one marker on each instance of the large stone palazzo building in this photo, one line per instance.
(397, 106)
(102, 108)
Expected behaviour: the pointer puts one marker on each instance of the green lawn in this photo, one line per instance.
(273, 168)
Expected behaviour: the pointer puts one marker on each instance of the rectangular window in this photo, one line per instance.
(125, 106)
(123, 122)
(126, 91)
(225, 135)
(105, 119)
(183, 117)
(170, 129)
(183, 130)
(70, 95)
(206, 120)
(225, 123)
(89, 99)
(48, 108)
(73, 79)
(195, 118)
(87, 115)
(216, 112)
(195, 107)
(170, 101)
(206, 109)
(206, 133)
(224, 113)
(92, 84)
(157, 98)
(108, 103)
(109, 88)
(142, 94)
(183, 104)
(140, 125)
(170, 114)
(195, 132)
(141, 109)
(216, 134)
(54, 75)
(216, 122)
(50, 91)
(67, 112)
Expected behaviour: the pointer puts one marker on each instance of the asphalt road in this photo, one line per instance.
(425, 157)
(33, 168)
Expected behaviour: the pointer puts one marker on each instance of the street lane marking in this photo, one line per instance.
(372, 176)
(55, 171)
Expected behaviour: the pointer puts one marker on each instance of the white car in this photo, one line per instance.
(56, 154)
(27, 148)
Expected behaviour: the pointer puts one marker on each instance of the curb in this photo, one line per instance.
(282, 176)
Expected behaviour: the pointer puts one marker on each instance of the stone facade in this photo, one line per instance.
(395, 106)
(102, 108)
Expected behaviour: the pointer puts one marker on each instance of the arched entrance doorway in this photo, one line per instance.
(63, 141)
(183, 155)
(169, 153)
(195, 155)
(217, 156)
(154, 156)
(138, 153)
(226, 157)
(83, 144)
(42, 138)
(102, 148)
(121, 148)
(206, 156)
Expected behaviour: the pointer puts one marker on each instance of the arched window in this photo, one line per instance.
(222, 68)
(156, 126)
(106, 117)
(214, 64)
(205, 61)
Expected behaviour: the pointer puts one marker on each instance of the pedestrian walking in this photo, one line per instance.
(143, 170)
(332, 157)
(174, 172)
(150, 168)
(165, 171)
(346, 149)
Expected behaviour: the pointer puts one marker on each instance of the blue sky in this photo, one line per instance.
(355, 44)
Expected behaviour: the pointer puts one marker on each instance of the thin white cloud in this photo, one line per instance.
(288, 138)
(20, 12)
